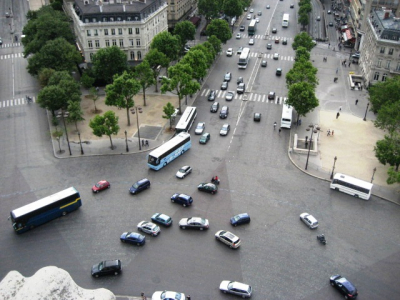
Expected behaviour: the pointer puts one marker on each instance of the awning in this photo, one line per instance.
(195, 21)
(348, 34)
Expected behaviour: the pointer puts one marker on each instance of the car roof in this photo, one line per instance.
(240, 286)
(184, 196)
(230, 235)
(347, 284)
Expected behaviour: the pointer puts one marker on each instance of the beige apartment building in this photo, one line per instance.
(180, 10)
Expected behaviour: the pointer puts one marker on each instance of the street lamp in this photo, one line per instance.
(372, 179)
(135, 109)
(62, 115)
(333, 169)
(126, 142)
(365, 116)
(80, 142)
(314, 129)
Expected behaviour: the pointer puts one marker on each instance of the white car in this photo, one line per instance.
(276, 56)
(225, 129)
(251, 42)
(236, 288)
(248, 17)
(238, 36)
(251, 10)
(229, 52)
(166, 295)
(185, 170)
(257, 20)
(200, 128)
(149, 228)
(229, 96)
(309, 220)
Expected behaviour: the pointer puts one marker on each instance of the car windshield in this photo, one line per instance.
(98, 185)
(183, 170)
(100, 266)
(135, 185)
(225, 127)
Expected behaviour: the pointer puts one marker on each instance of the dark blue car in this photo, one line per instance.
(240, 219)
(133, 238)
(162, 219)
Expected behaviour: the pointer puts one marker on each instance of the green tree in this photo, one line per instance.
(65, 81)
(394, 177)
(302, 71)
(186, 31)
(108, 62)
(219, 28)
(209, 50)
(144, 74)
(166, 43)
(52, 98)
(75, 112)
(216, 43)
(209, 8)
(87, 81)
(155, 59)
(306, 8)
(302, 54)
(304, 40)
(180, 82)
(57, 54)
(302, 98)
(232, 8)
(198, 62)
(94, 93)
(304, 20)
(44, 76)
(384, 92)
(168, 110)
(105, 125)
(120, 93)
(387, 151)
(388, 117)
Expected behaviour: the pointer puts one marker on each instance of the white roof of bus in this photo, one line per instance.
(183, 120)
(172, 142)
(43, 202)
(252, 23)
(356, 181)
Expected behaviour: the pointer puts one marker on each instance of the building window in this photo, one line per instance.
(376, 76)
(391, 51)
(121, 42)
(105, 19)
(130, 31)
(129, 18)
(119, 19)
(97, 44)
(398, 66)
(379, 63)
(107, 43)
(120, 31)
(132, 55)
(90, 44)
(96, 33)
(105, 31)
(384, 77)
(91, 56)
(111, 19)
(382, 50)
(138, 43)
(113, 31)
(89, 32)
(114, 42)
(94, 20)
(388, 64)
(139, 55)
(137, 30)
(87, 20)
(131, 43)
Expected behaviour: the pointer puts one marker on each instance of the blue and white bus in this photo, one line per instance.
(167, 152)
(187, 119)
(44, 210)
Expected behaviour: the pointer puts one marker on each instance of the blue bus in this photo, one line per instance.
(167, 152)
(44, 210)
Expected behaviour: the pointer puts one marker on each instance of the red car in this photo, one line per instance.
(101, 185)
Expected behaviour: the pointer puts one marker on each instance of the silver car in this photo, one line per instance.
(185, 170)
(200, 128)
(228, 238)
(236, 288)
(309, 220)
(225, 129)
(194, 222)
(149, 228)
(229, 96)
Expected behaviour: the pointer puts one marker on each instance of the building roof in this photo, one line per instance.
(386, 25)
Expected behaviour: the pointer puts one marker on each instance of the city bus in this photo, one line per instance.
(167, 152)
(44, 210)
(352, 186)
(286, 120)
(244, 58)
(252, 28)
(285, 20)
(187, 119)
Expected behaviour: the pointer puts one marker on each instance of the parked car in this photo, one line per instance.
(224, 85)
(183, 199)
(183, 172)
(194, 223)
(205, 138)
(139, 186)
(107, 267)
(223, 114)
(200, 128)
(210, 188)
(214, 107)
(225, 129)
(229, 52)
(344, 286)
(168, 295)
(149, 228)
(240, 219)
(100, 186)
(257, 117)
(309, 220)
(133, 238)
(228, 238)
(211, 95)
(229, 96)
(227, 76)
(162, 219)
(236, 288)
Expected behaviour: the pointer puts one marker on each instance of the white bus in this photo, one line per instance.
(352, 186)
(167, 152)
(285, 20)
(244, 58)
(187, 119)
(287, 112)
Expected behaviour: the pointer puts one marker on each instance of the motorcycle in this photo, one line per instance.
(215, 181)
(322, 239)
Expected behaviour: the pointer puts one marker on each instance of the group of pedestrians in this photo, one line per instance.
(145, 143)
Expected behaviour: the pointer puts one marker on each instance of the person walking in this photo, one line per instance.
(356, 101)
(349, 63)
(337, 70)
(328, 132)
(274, 125)
(280, 131)
(333, 132)
(188, 297)
(337, 115)
(340, 108)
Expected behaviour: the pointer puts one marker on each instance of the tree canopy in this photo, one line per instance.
(384, 92)
(232, 8)
(155, 59)
(168, 44)
(209, 8)
(304, 40)
(219, 28)
(198, 62)
(108, 62)
(302, 97)
(105, 125)
(186, 31)
(144, 75)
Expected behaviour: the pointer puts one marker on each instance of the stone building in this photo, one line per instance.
(180, 10)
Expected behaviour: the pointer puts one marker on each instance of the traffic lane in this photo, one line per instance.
(7, 75)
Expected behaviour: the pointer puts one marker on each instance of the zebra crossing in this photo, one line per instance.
(261, 37)
(14, 55)
(271, 56)
(15, 102)
(10, 45)
(246, 97)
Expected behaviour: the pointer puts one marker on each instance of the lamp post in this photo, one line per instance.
(365, 116)
(126, 141)
(314, 129)
(65, 128)
(80, 143)
(372, 179)
(137, 120)
(333, 168)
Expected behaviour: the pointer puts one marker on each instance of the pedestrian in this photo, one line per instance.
(328, 132)
(337, 115)
(188, 297)
(340, 108)
(345, 61)
(356, 101)
(329, 45)
(361, 87)
(280, 131)
(333, 132)
(143, 296)
(142, 143)
(349, 63)
(147, 143)
(337, 70)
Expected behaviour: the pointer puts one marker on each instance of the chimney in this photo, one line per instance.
(387, 14)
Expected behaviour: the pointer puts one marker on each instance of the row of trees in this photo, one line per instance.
(304, 11)
(302, 79)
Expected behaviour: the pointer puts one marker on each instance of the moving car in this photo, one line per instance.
(238, 36)
(251, 10)
(140, 186)
(276, 40)
(269, 46)
(241, 88)
(242, 28)
(236, 288)
(133, 238)
(278, 72)
(225, 130)
(330, 24)
(107, 267)
(183, 172)
(329, 12)
(210, 188)
(229, 96)
(251, 42)
(228, 238)
(214, 107)
(223, 114)
(194, 223)
(264, 63)
(344, 286)
(248, 17)
(240, 219)
(205, 138)
(276, 56)
(228, 76)
(211, 95)
(229, 52)
(239, 50)
(100, 186)
(257, 20)
(318, 18)
(224, 85)
(183, 199)
(162, 219)
(271, 96)
(168, 295)
(284, 41)
(259, 13)
(274, 30)
(309, 220)
(149, 228)
(257, 117)
(292, 6)
(268, 7)
(1, 41)
(239, 80)
(200, 128)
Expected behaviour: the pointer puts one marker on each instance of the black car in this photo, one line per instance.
(242, 28)
(214, 107)
(344, 286)
(107, 267)
(240, 219)
(257, 117)
(224, 112)
(211, 95)
(208, 188)
(271, 96)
